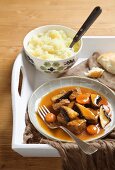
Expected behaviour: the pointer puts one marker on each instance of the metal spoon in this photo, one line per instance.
(89, 21)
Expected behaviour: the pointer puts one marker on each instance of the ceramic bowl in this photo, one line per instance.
(50, 66)
(70, 81)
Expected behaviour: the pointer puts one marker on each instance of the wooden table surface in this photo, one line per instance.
(17, 17)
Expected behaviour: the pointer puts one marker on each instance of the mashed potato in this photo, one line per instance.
(51, 45)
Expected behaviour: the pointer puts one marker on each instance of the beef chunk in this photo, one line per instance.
(77, 126)
(66, 114)
(63, 102)
(62, 119)
(75, 92)
(73, 95)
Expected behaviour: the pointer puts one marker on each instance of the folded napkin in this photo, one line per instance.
(107, 78)
(72, 157)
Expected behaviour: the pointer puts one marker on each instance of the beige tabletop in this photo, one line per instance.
(17, 17)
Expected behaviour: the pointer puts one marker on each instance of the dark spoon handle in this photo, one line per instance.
(90, 20)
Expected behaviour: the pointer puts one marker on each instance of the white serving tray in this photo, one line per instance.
(31, 80)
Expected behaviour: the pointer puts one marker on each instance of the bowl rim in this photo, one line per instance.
(58, 139)
(37, 28)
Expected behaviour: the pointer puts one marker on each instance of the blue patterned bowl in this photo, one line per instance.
(51, 66)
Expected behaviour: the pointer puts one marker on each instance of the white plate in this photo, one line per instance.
(32, 79)
(48, 87)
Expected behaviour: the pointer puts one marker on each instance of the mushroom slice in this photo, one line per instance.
(104, 117)
(71, 104)
(61, 96)
(57, 97)
(106, 108)
(86, 113)
(69, 112)
(95, 111)
(95, 99)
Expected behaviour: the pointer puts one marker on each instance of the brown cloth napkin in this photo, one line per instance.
(72, 157)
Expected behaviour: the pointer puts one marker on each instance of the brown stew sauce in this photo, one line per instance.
(59, 133)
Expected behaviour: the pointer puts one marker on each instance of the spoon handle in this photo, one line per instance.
(85, 147)
(89, 21)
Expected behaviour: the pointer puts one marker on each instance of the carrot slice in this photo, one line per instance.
(83, 98)
(92, 129)
(50, 118)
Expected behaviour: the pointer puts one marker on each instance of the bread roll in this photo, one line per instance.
(95, 72)
(107, 61)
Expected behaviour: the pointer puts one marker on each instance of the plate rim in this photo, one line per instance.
(58, 139)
